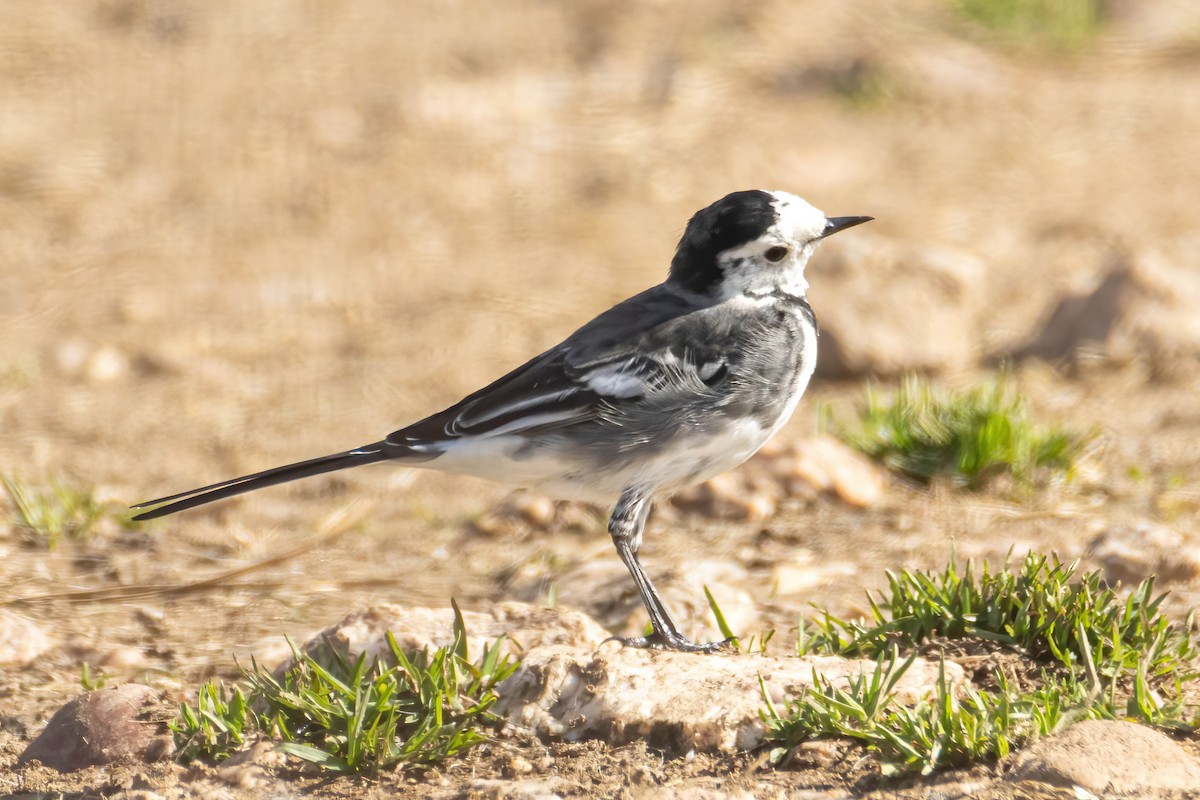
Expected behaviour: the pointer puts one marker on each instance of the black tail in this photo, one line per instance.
(380, 451)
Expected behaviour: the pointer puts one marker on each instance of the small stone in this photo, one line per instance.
(517, 766)
(106, 365)
(816, 754)
(246, 769)
(121, 657)
(858, 484)
(71, 356)
(523, 511)
(21, 639)
(732, 495)
(536, 509)
(829, 465)
(100, 727)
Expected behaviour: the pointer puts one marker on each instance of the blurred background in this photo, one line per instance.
(234, 235)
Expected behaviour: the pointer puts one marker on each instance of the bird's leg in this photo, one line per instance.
(625, 525)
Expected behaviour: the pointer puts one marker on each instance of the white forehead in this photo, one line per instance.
(798, 219)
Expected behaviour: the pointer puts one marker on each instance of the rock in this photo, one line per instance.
(125, 722)
(802, 470)
(120, 656)
(924, 322)
(523, 511)
(800, 572)
(1130, 553)
(21, 639)
(676, 702)
(1109, 758)
(739, 495)
(818, 754)
(524, 626)
(70, 357)
(1143, 310)
(830, 465)
(107, 364)
(266, 651)
(247, 769)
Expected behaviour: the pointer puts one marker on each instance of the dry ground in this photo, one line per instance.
(239, 234)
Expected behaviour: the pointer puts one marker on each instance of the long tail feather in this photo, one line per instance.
(270, 477)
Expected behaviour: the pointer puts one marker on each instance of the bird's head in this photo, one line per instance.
(754, 241)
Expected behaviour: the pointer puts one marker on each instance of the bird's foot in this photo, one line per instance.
(673, 641)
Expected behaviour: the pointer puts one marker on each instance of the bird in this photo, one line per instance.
(667, 389)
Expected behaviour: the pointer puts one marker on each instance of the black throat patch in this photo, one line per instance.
(731, 221)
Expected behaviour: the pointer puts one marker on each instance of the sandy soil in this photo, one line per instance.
(236, 235)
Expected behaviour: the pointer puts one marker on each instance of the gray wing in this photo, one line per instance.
(629, 353)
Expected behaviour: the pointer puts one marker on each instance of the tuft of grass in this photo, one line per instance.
(1046, 610)
(353, 716)
(946, 729)
(924, 432)
(92, 681)
(1105, 656)
(953, 727)
(1057, 23)
(61, 509)
(216, 725)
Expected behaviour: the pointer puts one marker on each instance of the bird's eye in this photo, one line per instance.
(776, 253)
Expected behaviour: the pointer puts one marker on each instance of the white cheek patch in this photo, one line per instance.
(750, 275)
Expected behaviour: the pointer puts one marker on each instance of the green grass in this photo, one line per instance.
(968, 437)
(1098, 654)
(943, 730)
(1046, 610)
(352, 716)
(61, 509)
(954, 728)
(1056, 23)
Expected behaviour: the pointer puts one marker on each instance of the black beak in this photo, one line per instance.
(835, 224)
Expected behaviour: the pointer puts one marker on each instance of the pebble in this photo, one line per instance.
(21, 640)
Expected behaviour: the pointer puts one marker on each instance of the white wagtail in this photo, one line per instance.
(669, 388)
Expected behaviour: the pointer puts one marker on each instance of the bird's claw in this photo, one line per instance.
(673, 641)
